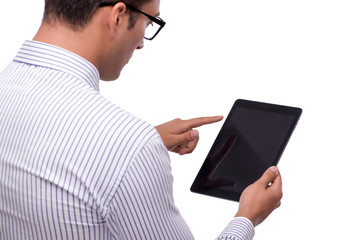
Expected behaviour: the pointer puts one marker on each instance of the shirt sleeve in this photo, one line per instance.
(239, 228)
(143, 205)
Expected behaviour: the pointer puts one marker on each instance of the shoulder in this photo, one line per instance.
(123, 129)
(119, 139)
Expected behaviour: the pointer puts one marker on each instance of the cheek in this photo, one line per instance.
(139, 36)
(141, 31)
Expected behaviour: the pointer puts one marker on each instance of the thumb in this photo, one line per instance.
(184, 138)
(190, 136)
(269, 176)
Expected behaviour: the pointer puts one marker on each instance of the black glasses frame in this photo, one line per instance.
(156, 20)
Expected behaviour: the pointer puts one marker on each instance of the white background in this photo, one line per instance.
(299, 53)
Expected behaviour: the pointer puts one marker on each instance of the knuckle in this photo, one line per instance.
(176, 120)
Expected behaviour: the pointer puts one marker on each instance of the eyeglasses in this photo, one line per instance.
(152, 29)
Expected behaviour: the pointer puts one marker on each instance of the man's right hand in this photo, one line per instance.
(262, 197)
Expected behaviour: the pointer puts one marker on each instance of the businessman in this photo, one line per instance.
(73, 165)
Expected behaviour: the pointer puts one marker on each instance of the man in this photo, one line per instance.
(74, 165)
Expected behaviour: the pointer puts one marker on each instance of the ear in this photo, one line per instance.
(117, 18)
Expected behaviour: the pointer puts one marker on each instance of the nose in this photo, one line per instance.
(141, 44)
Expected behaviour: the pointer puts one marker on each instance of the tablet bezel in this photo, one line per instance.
(260, 106)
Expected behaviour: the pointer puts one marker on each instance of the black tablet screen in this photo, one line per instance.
(251, 140)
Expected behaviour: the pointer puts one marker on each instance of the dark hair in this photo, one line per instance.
(78, 13)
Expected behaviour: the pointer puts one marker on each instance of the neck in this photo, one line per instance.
(82, 42)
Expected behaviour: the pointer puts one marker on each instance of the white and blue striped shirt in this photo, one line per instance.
(74, 165)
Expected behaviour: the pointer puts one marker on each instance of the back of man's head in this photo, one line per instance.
(78, 13)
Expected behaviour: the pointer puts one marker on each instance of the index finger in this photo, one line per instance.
(197, 122)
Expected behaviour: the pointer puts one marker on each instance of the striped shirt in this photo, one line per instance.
(73, 165)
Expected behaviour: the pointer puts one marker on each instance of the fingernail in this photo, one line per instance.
(274, 169)
(194, 134)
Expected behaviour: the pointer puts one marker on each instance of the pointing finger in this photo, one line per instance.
(197, 122)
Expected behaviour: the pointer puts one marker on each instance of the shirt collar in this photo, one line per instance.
(49, 56)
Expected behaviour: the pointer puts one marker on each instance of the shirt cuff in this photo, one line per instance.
(240, 228)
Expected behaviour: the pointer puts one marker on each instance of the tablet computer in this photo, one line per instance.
(252, 139)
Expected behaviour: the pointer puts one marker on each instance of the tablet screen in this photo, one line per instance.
(251, 140)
